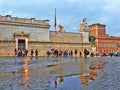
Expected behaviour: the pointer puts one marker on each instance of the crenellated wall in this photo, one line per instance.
(24, 21)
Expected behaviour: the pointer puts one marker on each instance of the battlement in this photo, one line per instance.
(10, 19)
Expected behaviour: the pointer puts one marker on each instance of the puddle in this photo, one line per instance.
(72, 82)
(76, 81)
(66, 83)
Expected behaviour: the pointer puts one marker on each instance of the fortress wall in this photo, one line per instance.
(46, 46)
(35, 33)
(38, 30)
(7, 48)
(66, 37)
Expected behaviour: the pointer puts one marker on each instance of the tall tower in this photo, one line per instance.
(97, 30)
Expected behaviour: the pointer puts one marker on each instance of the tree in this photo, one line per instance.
(92, 40)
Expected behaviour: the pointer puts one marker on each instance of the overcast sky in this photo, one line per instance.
(69, 12)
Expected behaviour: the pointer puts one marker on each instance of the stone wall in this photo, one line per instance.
(70, 43)
(63, 41)
(38, 30)
(7, 48)
(67, 41)
(35, 33)
(66, 37)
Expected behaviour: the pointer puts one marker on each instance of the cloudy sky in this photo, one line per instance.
(69, 12)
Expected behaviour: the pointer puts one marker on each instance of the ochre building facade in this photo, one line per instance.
(35, 34)
(104, 42)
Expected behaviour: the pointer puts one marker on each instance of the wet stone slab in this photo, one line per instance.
(109, 77)
(101, 73)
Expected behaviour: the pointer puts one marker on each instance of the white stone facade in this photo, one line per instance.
(35, 34)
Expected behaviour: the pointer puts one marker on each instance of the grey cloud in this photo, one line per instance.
(69, 12)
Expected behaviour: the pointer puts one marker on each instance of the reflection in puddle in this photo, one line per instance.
(66, 83)
(26, 72)
(76, 82)
(92, 75)
(73, 82)
(97, 65)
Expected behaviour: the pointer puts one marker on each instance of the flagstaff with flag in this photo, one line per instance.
(55, 23)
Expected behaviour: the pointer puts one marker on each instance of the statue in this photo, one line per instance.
(83, 25)
(61, 28)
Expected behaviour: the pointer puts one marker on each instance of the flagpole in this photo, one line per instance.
(55, 20)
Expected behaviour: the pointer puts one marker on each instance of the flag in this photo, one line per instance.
(55, 23)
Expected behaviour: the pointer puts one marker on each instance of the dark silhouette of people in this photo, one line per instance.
(75, 53)
(31, 53)
(86, 52)
(71, 53)
(15, 52)
(92, 54)
(55, 83)
(36, 52)
(80, 54)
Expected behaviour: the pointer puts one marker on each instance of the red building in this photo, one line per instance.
(104, 42)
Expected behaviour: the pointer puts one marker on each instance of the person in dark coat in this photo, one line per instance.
(36, 52)
(86, 52)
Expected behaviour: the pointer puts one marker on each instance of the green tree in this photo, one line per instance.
(92, 38)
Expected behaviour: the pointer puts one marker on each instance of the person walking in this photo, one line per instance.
(15, 52)
(80, 54)
(31, 53)
(36, 53)
(86, 52)
(75, 52)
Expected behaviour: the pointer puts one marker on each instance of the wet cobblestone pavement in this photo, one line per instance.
(109, 76)
(99, 73)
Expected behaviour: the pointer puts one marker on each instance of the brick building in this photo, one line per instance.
(104, 42)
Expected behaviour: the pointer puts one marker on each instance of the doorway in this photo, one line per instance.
(21, 44)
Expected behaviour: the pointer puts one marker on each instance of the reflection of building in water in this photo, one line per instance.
(84, 79)
(26, 73)
(85, 74)
(92, 75)
(85, 66)
(61, 79)
(100, 66)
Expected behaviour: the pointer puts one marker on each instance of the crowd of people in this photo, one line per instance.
(63, 53)
(101, 54)
(24, 52)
